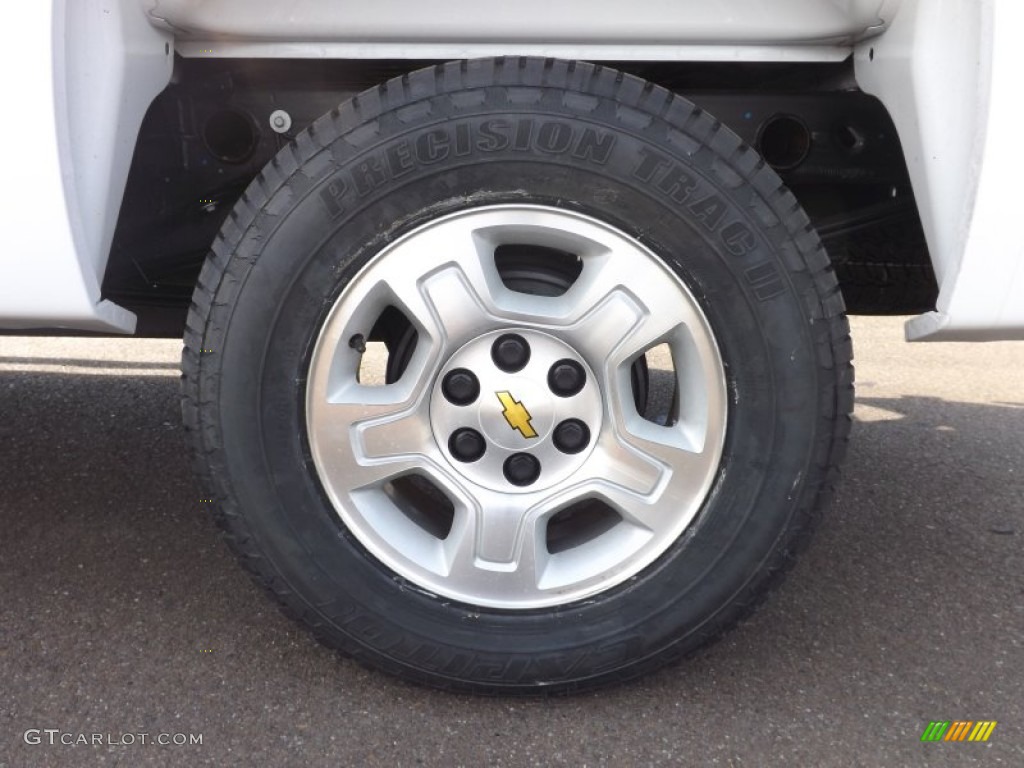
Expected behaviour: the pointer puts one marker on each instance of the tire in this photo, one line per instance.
(595, 217)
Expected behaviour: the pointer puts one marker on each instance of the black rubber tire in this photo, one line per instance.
(331, 200)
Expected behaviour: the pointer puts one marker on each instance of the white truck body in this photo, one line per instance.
(79, 76)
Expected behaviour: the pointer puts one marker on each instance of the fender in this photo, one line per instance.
(947, 71)
(81, 74)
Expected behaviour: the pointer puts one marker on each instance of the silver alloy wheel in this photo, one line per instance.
(443, 277)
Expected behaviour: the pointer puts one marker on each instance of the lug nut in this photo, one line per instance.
(521, 469)
(510, 352)
(571, 436)
(460, 387)
(467, 444)
(566, 378)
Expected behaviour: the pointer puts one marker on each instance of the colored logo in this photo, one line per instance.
(516, 415)
(958, 730)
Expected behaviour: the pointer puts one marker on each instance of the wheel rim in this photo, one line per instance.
(590, 506)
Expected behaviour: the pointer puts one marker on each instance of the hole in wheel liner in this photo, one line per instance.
(784, 142)
(230, 136)
(423, 503)
(655, 394)
(389, 347)
(849, 138)
(579, 523)
(537, 269)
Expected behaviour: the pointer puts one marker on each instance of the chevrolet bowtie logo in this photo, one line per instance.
(516, 415)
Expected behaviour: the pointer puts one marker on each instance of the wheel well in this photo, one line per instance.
(211, 131)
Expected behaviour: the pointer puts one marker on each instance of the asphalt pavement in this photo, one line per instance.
(123, 614)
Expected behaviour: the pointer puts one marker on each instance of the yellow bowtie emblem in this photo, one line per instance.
(516, 415)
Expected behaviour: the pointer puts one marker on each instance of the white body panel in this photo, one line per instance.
(86, 70)
(77, 79)
(727, 30)
(411, 22)
(949, 74)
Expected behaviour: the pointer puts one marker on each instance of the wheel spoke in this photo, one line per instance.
(649, 479)
(497, 536)
(609, 322)
(618, 463)
(446, 284)
(386, 439)
(619, 329)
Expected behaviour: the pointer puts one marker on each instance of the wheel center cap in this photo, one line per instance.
(507, 407)
(517, 417)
